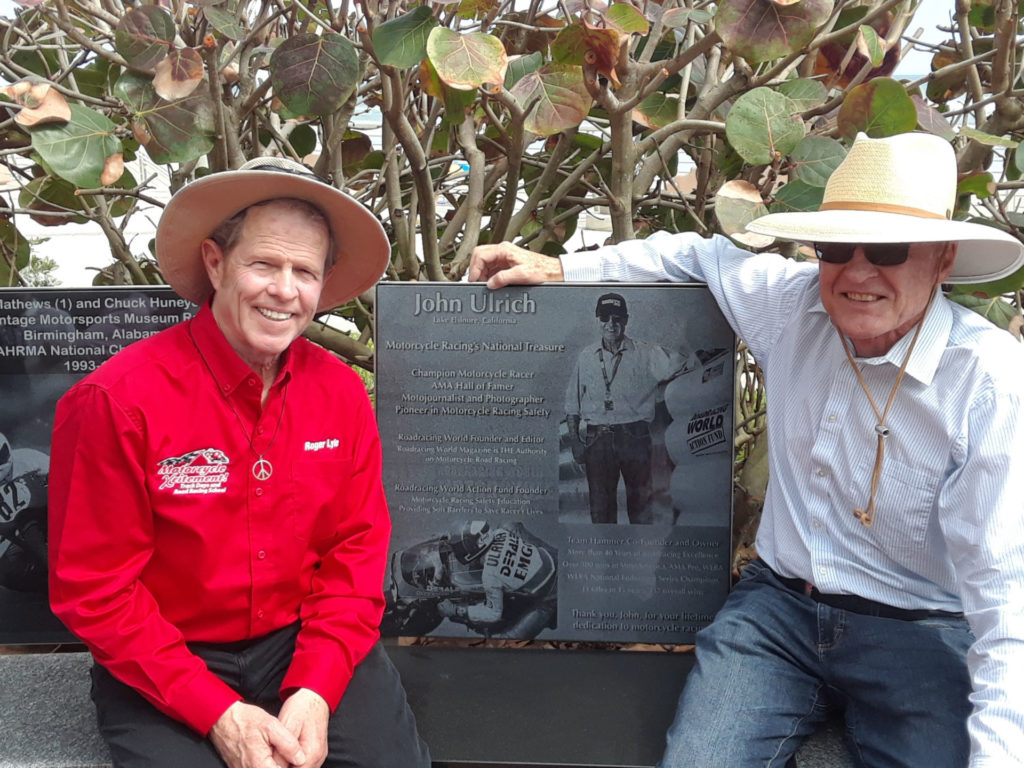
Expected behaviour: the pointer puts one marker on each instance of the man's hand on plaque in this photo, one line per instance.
(506, 264)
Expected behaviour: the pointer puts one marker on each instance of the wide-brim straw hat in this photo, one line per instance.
(900, 189)
(362, 247)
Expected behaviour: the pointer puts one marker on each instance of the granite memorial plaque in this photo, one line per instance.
(49, 339)
(557, 459)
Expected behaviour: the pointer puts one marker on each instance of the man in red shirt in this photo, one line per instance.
(218, 526)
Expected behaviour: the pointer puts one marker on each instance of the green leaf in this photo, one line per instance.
(805, 93)
(797, 196)
(457, 103)
(981, 185)
(46, 195)
(143, 36)
(97, 78)
(760, 30)
(37, 60)
(680, 17)
(999, 311)
(77, 150)
(225, 22)
(814, 160)
(355, 147)
(579, 43)
(303, 139)
(520, 66)
(879, 108)
(171, 131)
(374, 160)
(988, 139)
(555, 97)
(588, 142)
(625, 18)
(727, 160)
(1011, 166)
(994, 288)
(570, 45)
(763, 123)
(476, 9)
(657, 110)
(466, 61)
(982, 16)
(402, 42)
(869, 45)
(14, 248)
(314, 74)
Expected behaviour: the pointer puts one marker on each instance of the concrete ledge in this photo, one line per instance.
(47, 719)
(46, 716)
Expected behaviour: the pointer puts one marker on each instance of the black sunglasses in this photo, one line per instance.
(879, 254)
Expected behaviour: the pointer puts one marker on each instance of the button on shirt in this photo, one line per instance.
(161, 533)
(949, 525)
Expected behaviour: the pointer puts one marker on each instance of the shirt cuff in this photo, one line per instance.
(323, 673)
(581, 267)
(201, 704)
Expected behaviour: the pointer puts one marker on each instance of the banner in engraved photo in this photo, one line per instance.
(558, 459)
(49, 339)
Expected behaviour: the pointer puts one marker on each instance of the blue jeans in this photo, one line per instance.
(775, 663)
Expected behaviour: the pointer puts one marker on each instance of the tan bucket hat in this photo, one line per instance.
(199, 208)
(900, 189)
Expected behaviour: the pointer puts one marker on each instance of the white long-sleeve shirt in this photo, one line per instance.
(949, 522)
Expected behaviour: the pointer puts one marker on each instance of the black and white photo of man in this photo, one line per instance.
(610, 404)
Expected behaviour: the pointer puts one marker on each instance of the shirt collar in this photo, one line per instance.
(227, 367)
(627, 343)
(930, 346)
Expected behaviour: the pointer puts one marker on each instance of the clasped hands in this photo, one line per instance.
(247, 736)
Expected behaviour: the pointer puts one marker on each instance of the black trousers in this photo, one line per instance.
(372, 727)
(614, 450)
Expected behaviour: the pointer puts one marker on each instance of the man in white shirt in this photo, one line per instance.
(609, 407)
(891, 548)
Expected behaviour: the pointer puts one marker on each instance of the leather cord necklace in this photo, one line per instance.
(867, 514)
(262, 469)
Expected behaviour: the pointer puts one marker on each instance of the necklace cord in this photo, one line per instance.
(867, 514)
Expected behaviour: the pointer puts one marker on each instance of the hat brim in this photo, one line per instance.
(984, 253)
(363, 250)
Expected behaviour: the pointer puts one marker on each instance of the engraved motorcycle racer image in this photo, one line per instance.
(23, 484)
(498, 582)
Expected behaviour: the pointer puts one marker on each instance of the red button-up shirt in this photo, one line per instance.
(161, 533)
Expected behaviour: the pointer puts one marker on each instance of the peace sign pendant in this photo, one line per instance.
(262, 469)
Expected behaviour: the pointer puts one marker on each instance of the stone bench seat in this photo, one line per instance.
(475, 707)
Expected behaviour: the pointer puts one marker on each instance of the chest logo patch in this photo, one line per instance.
(204, 471)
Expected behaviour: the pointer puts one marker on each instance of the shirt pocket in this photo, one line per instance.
(317, 500)
(904, 504)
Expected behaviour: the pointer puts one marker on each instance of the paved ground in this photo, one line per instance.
(825, 750)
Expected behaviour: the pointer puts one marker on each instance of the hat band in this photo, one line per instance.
(849, 205)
